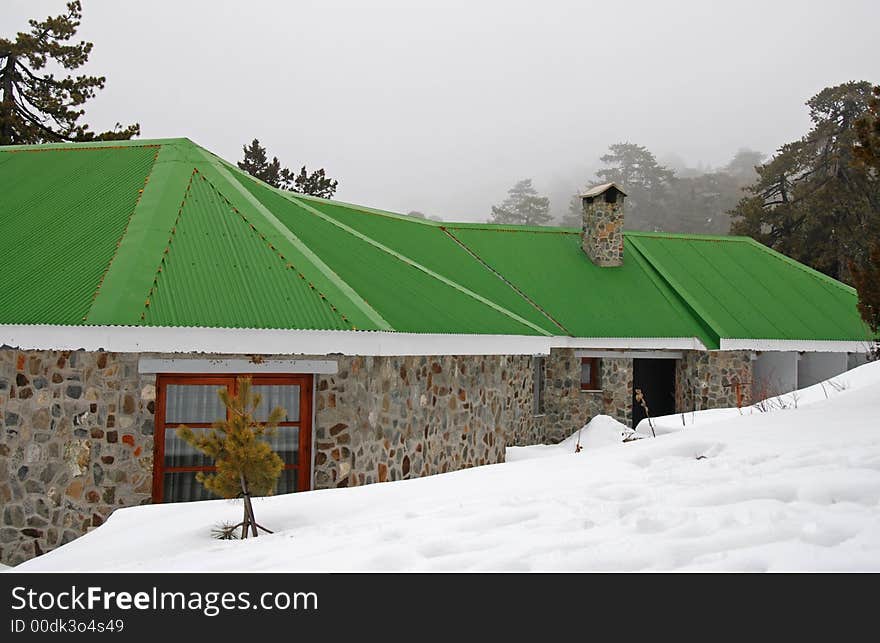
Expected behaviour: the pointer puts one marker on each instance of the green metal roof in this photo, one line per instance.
(163, 233)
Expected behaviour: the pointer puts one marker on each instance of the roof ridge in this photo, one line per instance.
(253, 228)
(122, 236)
(155, 282)
(682, 292)
(87, 145)
(326, 271)
(710, 337)
(505, 280)
(417, 265)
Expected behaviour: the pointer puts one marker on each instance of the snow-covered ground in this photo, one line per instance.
(792, 489)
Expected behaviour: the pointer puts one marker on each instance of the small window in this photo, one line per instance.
(589, 373)
(538, 384)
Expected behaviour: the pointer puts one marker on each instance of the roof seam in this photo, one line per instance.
(682, 292)
(124, 230)
(155, 283)
(505, 280)
(288, 234)
(288, 264)
(418, 266)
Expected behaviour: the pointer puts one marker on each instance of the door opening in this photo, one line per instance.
(656, 379)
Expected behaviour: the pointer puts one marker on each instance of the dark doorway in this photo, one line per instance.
(656, 379)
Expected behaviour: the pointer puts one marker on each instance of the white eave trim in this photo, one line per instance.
(260, 341)
(805, 345)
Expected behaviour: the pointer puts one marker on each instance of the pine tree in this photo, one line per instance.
(866, 274)
(646, 183)
(246, 464)
(522, 206)
(256, 163)
(811, 201)
(35, 106)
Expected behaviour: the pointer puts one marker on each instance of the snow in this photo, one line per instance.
(793, 489)
(601, 431)
(855, 379)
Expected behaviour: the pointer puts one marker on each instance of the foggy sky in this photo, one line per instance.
(442, 106)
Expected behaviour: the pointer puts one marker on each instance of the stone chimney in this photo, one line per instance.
(602, 229)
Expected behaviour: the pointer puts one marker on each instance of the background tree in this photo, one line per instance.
(246, 464)
(645, 182)
(35, 106)
(421, 215)
(866, 274)
(523, 206)
(256, 163)
(810, 201)
(574, 217)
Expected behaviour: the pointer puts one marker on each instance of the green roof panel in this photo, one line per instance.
(749, 291)
(62, 214)
(550, 267)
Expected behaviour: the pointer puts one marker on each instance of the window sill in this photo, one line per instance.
(540, 415)
(592, 390)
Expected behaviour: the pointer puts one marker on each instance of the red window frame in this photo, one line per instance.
(593, 383)
(304, 462)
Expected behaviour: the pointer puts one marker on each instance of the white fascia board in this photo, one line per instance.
(260, 341)
(805, 345)
(286, 366)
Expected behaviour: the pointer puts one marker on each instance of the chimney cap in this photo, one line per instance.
(601, 189)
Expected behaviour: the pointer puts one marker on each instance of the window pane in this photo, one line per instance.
(284, 395)
(586, 371)
(183, 487)
(181, 454)
(193, 403)
(285, 442)
(287, 481)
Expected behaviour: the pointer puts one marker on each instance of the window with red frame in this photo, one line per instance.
(589, 373)
(193, 400)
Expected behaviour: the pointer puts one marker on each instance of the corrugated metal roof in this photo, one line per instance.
(218, 270)
(744, 290)
(162, 233)
(551, 268)
(62, 214)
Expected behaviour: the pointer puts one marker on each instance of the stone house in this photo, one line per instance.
(141, 276)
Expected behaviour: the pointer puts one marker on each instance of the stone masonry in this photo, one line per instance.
(713, 380)
(602, 232)
(76, 443)
(77, 431)
(392, 418)
(567, 407)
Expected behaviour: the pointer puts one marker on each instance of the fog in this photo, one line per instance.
(442, 106)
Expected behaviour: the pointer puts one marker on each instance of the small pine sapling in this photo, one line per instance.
(246, 464)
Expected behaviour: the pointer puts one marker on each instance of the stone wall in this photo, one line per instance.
(710, 380)
(567, 408)
(77, 427)
(77, 431)
(602, 237)
(392, 418)
(76, 443)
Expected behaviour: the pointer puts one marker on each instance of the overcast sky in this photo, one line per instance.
(442, 106)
